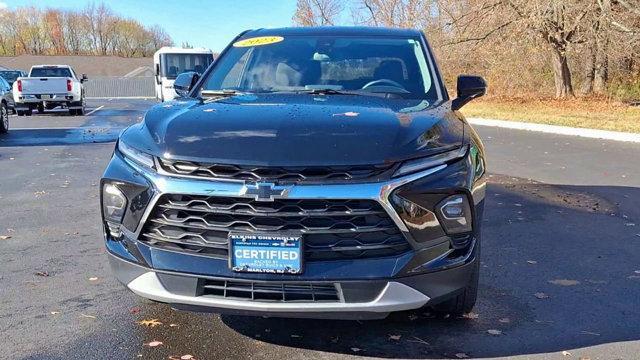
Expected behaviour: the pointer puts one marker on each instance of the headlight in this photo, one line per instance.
(114, 204)
(135, 155)
(411, 166)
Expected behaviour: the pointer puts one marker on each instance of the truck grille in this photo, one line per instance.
(331, 229)
(271, 291)
(282, 175)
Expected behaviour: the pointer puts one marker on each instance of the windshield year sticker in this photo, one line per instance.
(258, 41)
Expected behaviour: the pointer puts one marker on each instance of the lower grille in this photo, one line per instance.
(331, 229)
(269, 291)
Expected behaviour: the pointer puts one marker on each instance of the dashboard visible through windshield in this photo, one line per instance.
(330, 63)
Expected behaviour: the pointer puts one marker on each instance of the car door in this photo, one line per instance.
(7, 93)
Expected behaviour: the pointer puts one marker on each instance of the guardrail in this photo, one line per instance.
(120, 87)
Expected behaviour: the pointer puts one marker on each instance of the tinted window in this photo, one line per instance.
(50, 72)
(395, 65)
(175, 64)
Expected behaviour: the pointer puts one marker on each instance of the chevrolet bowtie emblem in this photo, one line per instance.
(265, 191)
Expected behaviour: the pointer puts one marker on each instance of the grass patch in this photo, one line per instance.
(582, 113)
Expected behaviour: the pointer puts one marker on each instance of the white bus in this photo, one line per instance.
(169, 62)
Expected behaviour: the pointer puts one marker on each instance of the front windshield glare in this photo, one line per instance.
(306, 63)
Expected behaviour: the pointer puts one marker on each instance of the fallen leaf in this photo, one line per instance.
(5, 237)
(150, 323)
(532, 262)
(88, 316)
(42, 273)
(505, 320)
(394, 337)
(413, 317)
(154, 343)
(55, 312)
(93, 279)
(173, 325)
(462, 356)
(494, 332)
(134, 310)
(541, 295)
(471, 315)
(187, 357)
(564, 282)
(584, 358)
(566, 353)
(355, 349)
(295, 336)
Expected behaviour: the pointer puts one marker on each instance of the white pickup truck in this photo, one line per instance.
(47, 87)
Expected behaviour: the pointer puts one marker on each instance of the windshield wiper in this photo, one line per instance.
(327, 91)
(220, 93)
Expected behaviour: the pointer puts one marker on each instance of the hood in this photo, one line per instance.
(296, 130)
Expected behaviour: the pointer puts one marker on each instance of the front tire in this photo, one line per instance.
(464, 302)
(40, 108)
(4, 118)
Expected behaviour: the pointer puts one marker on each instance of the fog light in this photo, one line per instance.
(456, 214)
(114, 204)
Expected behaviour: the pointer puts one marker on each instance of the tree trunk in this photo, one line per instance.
(590, 72)
(562, 74)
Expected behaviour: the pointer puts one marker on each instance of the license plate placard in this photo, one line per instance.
(264, 253)
(46, 97)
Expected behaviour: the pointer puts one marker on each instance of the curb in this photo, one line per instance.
(560, 130)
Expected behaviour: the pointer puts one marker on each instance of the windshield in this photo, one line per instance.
(10, 76)
(305, 63)
(175, 64)
(50, 72)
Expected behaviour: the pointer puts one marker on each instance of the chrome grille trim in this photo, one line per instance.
(378, 191)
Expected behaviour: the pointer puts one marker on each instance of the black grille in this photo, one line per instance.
(282, 175)
(270, 291)
(331, 229)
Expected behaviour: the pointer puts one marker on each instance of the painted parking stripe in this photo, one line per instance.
(94, 110)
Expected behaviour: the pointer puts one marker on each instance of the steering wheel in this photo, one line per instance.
(382, 82)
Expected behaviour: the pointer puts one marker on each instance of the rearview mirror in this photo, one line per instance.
(469, 88)
(185, 82)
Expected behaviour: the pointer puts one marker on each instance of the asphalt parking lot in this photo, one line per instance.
(560, 270)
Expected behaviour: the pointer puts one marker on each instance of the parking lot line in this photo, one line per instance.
(94, 110)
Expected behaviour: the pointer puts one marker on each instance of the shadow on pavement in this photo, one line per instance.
(558, 273)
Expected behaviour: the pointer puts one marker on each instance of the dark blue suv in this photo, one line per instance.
(308, 172)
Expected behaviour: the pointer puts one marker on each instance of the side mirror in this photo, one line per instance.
(84, 78)
(185, 82)
(469, 88)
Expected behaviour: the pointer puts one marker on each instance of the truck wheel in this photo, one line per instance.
(464, 302)
(72, 112)
(20, 112)
(4, 117)
(28, 112)
(41, 108)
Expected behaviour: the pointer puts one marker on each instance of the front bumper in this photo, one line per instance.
(373, 299)
(432, 271)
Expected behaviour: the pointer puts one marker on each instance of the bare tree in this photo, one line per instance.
(317, 12)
